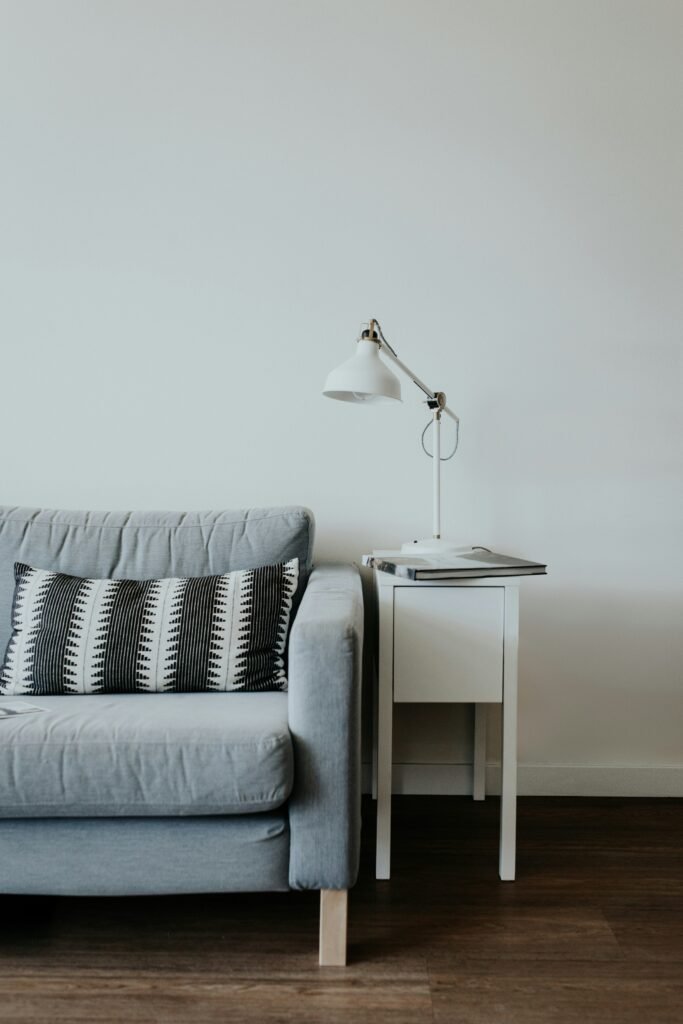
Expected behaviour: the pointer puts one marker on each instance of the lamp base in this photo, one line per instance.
(436, 546)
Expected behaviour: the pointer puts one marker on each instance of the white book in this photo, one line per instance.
(11, 708)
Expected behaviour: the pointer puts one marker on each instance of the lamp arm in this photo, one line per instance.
(393, 358)
(437, 403)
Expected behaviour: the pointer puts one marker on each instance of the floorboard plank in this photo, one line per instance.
(592, 930)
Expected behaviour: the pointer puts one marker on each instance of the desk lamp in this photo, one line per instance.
(365, 378)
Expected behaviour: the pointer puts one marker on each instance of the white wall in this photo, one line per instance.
(201, 201)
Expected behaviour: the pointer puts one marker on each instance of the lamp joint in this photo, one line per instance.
(370, 334)
(438, 403)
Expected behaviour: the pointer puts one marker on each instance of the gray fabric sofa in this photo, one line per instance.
(180, 793)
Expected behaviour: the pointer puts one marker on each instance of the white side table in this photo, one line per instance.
(452, 641)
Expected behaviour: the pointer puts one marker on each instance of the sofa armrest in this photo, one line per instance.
(325, 661)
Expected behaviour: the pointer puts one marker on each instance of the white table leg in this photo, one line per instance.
(508, 801)
(385, 708)
(479, 758)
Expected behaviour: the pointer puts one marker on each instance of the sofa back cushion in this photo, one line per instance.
(148, 545)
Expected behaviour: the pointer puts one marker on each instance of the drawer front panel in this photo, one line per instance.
(448, 644)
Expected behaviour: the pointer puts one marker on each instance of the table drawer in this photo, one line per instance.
(448, 644)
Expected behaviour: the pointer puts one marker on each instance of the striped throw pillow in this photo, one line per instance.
(217, 633)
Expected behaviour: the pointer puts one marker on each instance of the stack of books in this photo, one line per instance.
(479, 562)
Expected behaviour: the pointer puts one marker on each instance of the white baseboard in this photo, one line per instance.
(540, 779)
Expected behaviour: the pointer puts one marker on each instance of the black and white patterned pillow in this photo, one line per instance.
(218, 633)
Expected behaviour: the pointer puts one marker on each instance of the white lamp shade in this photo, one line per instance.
(363, 377)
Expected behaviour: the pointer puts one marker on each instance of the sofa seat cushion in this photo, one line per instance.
(147, 754)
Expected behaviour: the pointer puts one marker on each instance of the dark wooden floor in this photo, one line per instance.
(592, 931)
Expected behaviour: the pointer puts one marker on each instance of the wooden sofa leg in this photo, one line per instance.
(333, 915)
